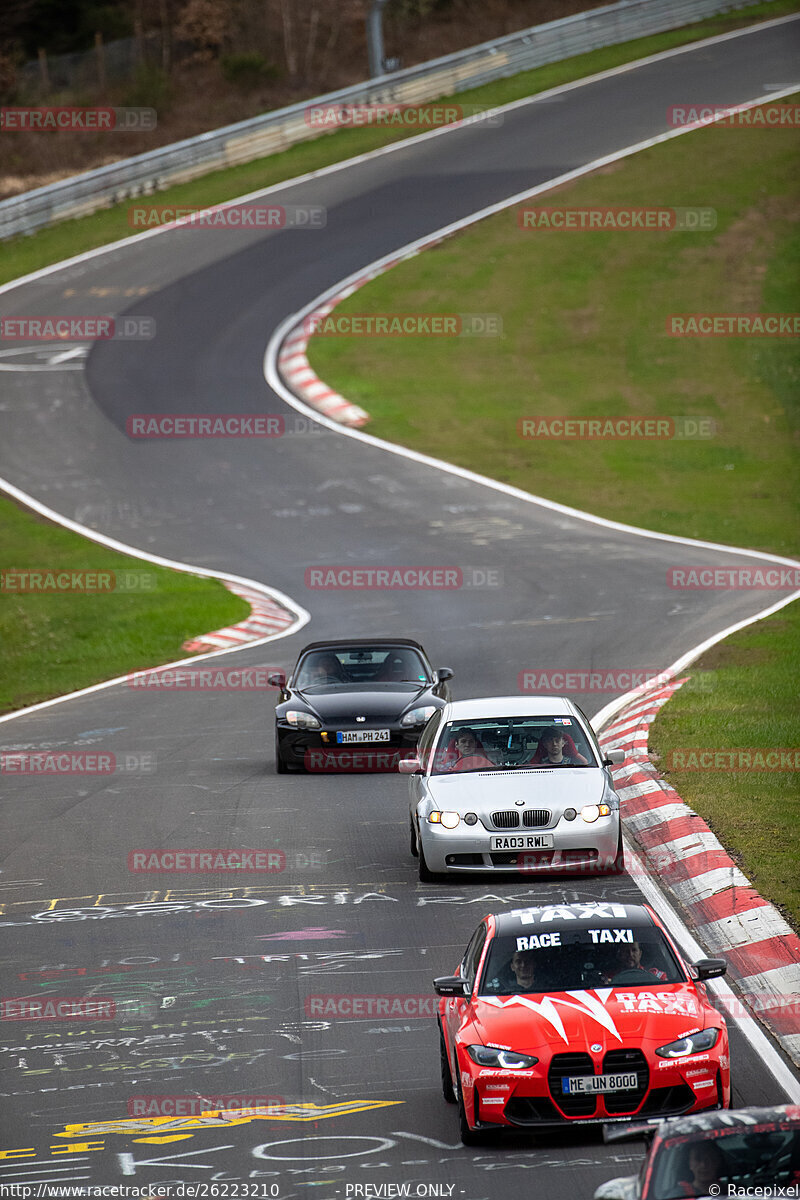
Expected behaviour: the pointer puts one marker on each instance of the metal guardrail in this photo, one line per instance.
(274, 131)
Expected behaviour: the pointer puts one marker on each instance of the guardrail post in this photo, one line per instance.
(375, 38)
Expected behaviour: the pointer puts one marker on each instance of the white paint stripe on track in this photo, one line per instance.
(702, 887)
(301, 616)
(746, 928)
(656, 816)
(780, 982)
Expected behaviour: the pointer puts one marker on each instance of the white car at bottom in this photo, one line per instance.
(510, 783)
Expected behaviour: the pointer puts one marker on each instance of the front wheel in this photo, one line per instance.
(425, 875)
(619, 861)
(469, 1136)
(447, 1078)
(413, 839)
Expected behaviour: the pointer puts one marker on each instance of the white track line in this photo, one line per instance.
(302, 617)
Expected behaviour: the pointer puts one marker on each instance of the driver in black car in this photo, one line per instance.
(325, 669)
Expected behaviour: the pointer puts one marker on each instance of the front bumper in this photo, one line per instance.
(307, 750)
(534, 1098)
(577, 846)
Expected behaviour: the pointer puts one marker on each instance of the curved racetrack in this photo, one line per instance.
(221, 974)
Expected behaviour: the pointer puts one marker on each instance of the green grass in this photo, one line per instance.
(751, 702)
(58, 642)
(583, 318)
(22, 255)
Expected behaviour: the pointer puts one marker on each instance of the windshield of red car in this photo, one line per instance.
(563, 960)
(512, 743)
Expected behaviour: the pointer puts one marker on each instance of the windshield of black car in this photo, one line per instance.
(758, 1154)
(543, 959)
(343, 666)
(508, 743)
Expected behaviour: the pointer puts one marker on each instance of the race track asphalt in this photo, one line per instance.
(213, 990)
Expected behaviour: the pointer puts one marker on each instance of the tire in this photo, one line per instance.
(618, 865)
(425, 875)
(469, 1137)
(447, 1078)
(280, 763)
(413, 839)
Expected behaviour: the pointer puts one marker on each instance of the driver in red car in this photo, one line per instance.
(628, 957)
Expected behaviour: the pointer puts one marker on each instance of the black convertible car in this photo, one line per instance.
(355, 705)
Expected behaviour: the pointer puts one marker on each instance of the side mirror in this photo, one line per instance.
(613, 758)
(444, 673)
(277, 679)
(710, 968)
(409, 766)
(451, 985)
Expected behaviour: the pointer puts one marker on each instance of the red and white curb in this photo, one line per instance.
(725, 911)
(266, 617)
(297, 372)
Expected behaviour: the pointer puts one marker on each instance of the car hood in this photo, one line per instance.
(575, 1020)
(482, 791)
(379, 700)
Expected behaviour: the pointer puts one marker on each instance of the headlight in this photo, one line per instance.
(703, 1039)
(302, 720)
(418, 716)
(448, 819)
(590, 812)
(487, 1056)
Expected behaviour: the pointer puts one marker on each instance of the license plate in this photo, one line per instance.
(572, 1085)
(523, 841)
(362, 735)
